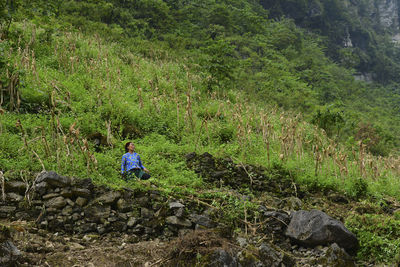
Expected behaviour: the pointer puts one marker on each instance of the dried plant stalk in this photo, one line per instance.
(140, 98)
(109, 134)
(41, 162)
(3, 186)
(177, 106)
(189, 113)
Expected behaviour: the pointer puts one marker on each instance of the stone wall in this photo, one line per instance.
(73, 205)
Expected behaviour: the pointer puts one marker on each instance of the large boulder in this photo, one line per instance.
(313, 228)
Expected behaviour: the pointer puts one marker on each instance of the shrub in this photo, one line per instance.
(379, 236)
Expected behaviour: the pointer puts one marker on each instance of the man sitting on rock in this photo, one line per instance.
(132, 165)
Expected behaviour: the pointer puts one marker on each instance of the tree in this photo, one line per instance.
(219, 64)
(7, 10)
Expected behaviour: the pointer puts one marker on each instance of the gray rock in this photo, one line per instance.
(336, 257)
(176, 205)
(67, 211)
(87, 228)
(138, 229)
(75, 246)
(112, 219)
(109, 197)
(7, 209)
(80, 201)
(101, 229)
(66, 192)
(70, 202)
(81, 192)
(131, 222)
(51, 195)
(142, 201)
(202, 220)
(123, 216)
(241, 241)
(76, 216)
(13, 197)
(41, 188)
(146, 213)
(9, 254)
(269, 256)
(52, 178)
(313, 228)
(123, 205)
(56, 203)
(52, 210)
(173, 220)
(82, 183)
(15, 186)
(97, 212)
(222, 258)
(179, 212)
(118, 227)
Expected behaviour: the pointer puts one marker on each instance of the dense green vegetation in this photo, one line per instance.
(183, 76)
(378, 234)
(233, 44)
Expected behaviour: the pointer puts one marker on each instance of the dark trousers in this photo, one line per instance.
(139, 173)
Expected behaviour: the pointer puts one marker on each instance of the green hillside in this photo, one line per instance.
(81, 78)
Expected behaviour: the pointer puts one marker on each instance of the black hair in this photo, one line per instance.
(126, 146)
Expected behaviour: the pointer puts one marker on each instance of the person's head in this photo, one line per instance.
(129, 147)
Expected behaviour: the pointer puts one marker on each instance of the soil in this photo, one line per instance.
(43, 248)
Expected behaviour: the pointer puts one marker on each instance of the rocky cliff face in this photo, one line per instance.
(346, 24)
(350, 14)
(388, 13)
(383, 14)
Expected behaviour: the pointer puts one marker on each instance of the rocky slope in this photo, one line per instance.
(64, 221)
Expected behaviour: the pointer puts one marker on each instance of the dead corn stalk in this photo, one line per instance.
(2, 111)
(109, 133)
(266, 134)
(189, 113)
(11, 90)
(177, 106)
(45, 143)
(3, 186)
(361, 158)
(317, 149)
(241, 131)
(140, 98)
